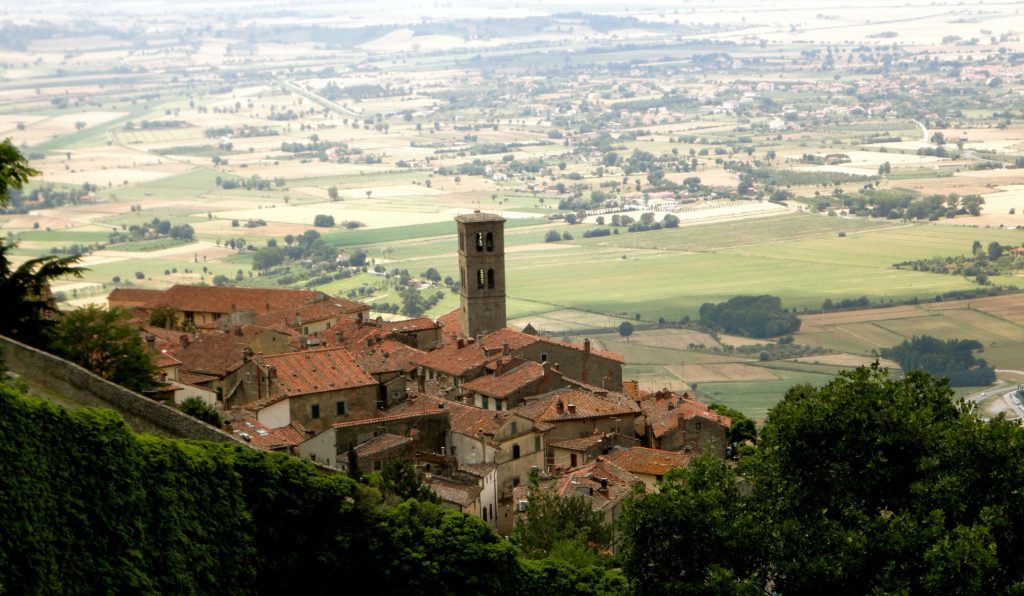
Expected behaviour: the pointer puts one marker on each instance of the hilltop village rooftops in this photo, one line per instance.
(226, 299)
(665, 409)
(644, 460)
(503, 383)
(575, 404)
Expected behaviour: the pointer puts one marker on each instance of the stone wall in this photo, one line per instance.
(77, 385)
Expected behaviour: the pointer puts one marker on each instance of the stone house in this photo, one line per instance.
(649, 465)
(573, 413)
(673, 422)
(429, 431)
(315, 388)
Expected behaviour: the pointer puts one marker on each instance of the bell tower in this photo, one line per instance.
(482, 273)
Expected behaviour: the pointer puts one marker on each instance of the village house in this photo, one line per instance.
(314, 387)
(601, 484)
(649, 465)
(573, 413)
(374, 454)
(284, 439)
(458, 496)
(673, 422)
(508, 381)
(429, 431)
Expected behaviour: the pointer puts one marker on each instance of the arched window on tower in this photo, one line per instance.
(479, 242)
(462, 240)
(490, 278)
(480, 279)
(490, 242)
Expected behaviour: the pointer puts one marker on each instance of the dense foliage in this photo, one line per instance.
(88, 506)
(866, 485)
(953, 359)
(750, 316)
(104, 342)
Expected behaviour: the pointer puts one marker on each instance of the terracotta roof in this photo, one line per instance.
(574, 404)
(317, 371)
(507, 382)
(643, 460)
(462, 495)
(586, 481)
(451, 324)
(478, 470)
(329, 308)
(663, 413)
(515, 339)
(191, 378)
(218, 353)
(410, 325)
(225, 299)
(390, 418)
(580, 444)
(258, 435)
(465, 420)
(453, 360)
(381, 443)
(132, 295)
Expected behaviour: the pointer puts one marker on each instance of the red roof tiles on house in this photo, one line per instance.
(317, 371)
(380, 444)
(573, 404)
(226, 299)
(132, 295)
(663, 413)
(454, 360)
(258, 435)
(643, 460)
(508, 382)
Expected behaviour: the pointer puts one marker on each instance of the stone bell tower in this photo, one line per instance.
(482, 273)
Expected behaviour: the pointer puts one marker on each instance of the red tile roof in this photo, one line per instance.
(453, 360)
(258, 435)
(389, 418)
(575, 405)
(465, 420)
(462, 495)
(587, 480)
(516, 340)
(317, 371)
(381, 443)
(218, 353)
(508, 382)
(132, 295)
(580, 444)
(642, 460)
(387, 356)
(226, 299)
(663, 413)
(410, 325)
(451, 324)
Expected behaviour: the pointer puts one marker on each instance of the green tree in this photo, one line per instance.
(401, 481)
(995, 250)
(332, 193)
(559, 523)
(166, 317)
(104, 342)
(200, 410)
(626, 329)
(267, 258)
(28, 310)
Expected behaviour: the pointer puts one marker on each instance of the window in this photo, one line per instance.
(536, 443)
(377, 465)
(490, 242)
(485, 514)
(490, 278)
(484, 402)
(480, 279)
(515, 430)
(515, 451)
(479, 242)
(248, 377)
(341, 408)
(572, 460)
(543, 357)
(699, 425)
(314, 411)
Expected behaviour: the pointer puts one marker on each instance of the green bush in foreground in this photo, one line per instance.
(86, 505)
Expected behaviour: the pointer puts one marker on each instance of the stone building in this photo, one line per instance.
(482, 273)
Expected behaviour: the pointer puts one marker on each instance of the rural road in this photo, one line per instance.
(1005, 391)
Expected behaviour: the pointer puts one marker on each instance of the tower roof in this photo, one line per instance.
(478, 217)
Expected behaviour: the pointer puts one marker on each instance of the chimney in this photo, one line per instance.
(460, 343)
(572, 408)
(586, 346)
(184, 340)
(303, 342)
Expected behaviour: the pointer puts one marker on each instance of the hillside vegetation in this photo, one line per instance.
(86, 505)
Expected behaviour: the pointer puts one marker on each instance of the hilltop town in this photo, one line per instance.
(474, 404)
